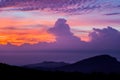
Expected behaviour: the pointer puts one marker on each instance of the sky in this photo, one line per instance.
(59, 25)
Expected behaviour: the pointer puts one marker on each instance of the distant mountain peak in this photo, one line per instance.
(100, 58)
(101, 63)
(51, 62)
(47, 64)
(105, 57)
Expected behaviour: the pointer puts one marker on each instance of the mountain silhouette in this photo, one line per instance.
(6, 67)
(8, 72)
(46, 64)
(102, 63)
(99, 64)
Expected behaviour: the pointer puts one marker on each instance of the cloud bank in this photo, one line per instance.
(101, 39)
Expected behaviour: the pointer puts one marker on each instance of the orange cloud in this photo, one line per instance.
(25, 37)
(18, 31)
(4, 22)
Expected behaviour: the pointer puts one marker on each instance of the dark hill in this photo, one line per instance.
(102, 63)
(46, 64)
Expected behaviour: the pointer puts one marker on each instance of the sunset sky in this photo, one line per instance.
(22, 20)
(25, 24)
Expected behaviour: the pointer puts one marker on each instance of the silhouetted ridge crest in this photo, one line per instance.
(100, 59)
(46, 64)
(102, 63)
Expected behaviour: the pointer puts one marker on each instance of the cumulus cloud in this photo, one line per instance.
(64, 37)
(65, 6)
(61, 29)
(107, 38)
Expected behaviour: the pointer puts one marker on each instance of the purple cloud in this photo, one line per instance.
(61, 28)
(105, 39)
(65, 6)
(65, 39)
(109, 14)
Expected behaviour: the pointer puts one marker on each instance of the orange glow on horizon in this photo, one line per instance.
(24, 31)
(28, 37)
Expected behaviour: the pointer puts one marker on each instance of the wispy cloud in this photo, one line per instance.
(66, 6)
(113, 14)
(80, 31)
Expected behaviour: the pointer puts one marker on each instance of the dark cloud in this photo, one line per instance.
(66, 6)
(118, 6)
(113, 14)
(105, 39)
